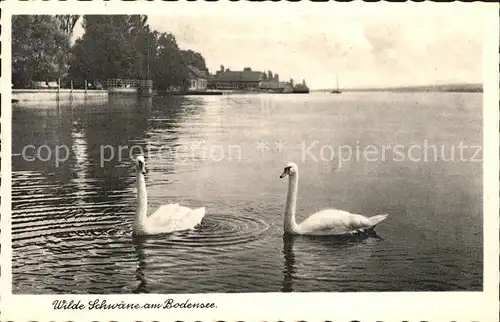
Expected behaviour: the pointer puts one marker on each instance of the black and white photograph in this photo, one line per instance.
(172, 152)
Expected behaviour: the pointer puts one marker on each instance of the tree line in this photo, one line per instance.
(113, 46)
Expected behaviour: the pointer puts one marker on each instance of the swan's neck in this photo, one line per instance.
(142, 204)
(290, 225)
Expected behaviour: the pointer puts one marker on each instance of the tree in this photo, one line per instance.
(193, 58)
(170, 70)
(269, 75)
(40, 49)
(119, 46)
(67, 23)
(112, 47)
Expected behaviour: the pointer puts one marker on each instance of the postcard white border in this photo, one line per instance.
(386, 306)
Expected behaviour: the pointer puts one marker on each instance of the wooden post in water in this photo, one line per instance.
(71, 93)
(85, 88)
(58, 88)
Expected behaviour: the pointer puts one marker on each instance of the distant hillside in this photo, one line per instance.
(465, 88)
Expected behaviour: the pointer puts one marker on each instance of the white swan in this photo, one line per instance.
(167, 218)
(325, 222)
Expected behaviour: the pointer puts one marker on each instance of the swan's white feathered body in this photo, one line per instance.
(324, 222)
(167, 218)
(337, 222)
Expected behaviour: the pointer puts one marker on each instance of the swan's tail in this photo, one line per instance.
(198, 214)
(375, 220)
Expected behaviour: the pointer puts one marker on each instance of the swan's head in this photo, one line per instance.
(140, 164)
(291, 169)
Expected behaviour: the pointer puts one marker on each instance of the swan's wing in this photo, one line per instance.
(172, 217)
(334, 222)
(163, 209)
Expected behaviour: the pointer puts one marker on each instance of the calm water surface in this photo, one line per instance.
(72, 221)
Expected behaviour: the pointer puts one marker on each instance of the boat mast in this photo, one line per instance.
(148, 57)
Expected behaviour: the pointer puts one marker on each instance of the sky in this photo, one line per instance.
(364, 45)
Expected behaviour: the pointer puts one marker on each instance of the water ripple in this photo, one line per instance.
(220, 230)
(71, 225)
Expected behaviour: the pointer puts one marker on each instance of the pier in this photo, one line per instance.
(19, 95)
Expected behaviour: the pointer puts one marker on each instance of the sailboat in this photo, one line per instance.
(336, 91)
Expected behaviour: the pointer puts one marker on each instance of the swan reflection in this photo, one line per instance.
(325, 243)
(289, 269)
(139, 242)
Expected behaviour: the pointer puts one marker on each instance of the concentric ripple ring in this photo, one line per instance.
(220, 230)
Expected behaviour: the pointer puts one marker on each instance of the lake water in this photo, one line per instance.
(72, 221)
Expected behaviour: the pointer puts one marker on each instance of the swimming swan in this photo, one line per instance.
(325, 222)
(167, 218)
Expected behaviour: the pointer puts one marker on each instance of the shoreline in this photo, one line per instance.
(447, 88)
(226, 92)
(23, 95)
(40, 95)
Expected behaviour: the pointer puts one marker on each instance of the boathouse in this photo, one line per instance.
(197, 79)
(236, 80)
